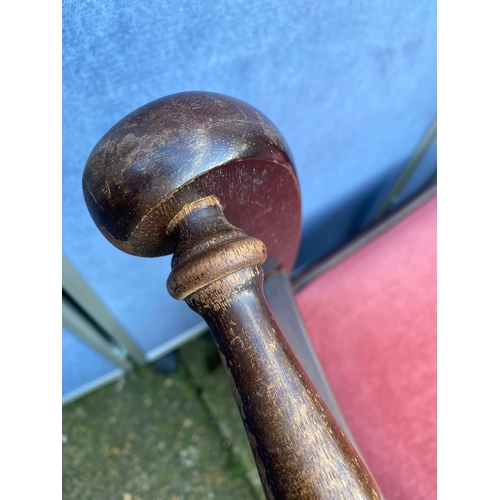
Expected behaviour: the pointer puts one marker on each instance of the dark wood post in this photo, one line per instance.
(299, 449)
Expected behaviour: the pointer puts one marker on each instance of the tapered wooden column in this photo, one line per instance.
(299, 449)
(154, 185)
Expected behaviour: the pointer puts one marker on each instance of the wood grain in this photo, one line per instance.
(299, 449)
(134, 179)
(164, 179)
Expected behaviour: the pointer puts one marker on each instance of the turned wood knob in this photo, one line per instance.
(185, 146)
(210, 179)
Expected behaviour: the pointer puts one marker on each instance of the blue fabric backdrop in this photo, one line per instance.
(350, 84)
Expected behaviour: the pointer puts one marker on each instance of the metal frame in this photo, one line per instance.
(90, 304)
(92, 386)
(76, 323)
(176, 342)
(405, 175)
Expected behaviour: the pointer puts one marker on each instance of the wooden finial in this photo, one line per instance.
(210, 179)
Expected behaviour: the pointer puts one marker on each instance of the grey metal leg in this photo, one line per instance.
(76, 287)
(74, 321)
(93, 386)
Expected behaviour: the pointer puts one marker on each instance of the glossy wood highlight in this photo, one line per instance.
(211, 179)
(300, 450)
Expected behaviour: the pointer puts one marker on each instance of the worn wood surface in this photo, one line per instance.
(216, 145)
(299, 449)
(173, 176)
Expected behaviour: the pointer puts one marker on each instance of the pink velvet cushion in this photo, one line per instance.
(372, 320)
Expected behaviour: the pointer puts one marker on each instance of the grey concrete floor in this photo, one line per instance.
(152, 436)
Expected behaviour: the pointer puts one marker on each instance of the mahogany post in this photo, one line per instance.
(299, 449)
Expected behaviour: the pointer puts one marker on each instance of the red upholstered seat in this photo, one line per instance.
(372, 320)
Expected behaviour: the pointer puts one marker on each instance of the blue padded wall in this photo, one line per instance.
(350, 84)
